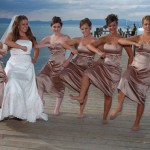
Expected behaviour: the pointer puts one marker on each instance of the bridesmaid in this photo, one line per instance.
(72, 74)
(48, 79)
(3, 76)
(106, 74)
(135, 81)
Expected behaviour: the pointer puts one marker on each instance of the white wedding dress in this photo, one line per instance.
(21, 97)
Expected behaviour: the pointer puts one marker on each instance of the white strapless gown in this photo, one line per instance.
(21, 97)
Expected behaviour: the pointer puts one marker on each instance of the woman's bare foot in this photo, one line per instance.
(80, 115)
(56, 113)
(78, 98)
(104, 122)
(135, 128)
(114, 113)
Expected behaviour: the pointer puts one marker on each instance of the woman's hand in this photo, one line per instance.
(139, 45)
(33, 60)
(5, 79)
(66, 63)
(74, 51)
(101, 54)
(24, 48)
(3, 52)
(92, 63)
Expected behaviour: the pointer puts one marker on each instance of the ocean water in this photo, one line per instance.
(40, 31)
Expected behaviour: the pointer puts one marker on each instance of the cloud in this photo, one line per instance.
(75, 9)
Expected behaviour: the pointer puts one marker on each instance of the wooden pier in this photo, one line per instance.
(68, 132)
(101, 32)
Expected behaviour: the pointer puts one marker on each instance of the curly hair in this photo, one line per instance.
(111, 18)
(56, 19)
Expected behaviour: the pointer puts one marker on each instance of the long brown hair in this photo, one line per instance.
(15, 30)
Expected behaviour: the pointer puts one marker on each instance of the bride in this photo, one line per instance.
(21, 97)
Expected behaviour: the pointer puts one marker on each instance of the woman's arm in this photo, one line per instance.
(69, 44)
(11, 43)
(2, 51)
(130, 54)
(66, 62)
(1, 45)
(43, 43)
(93, 46)
(3, 74)
(35, 55)
(130, 41)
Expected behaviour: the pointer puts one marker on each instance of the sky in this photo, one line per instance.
(44, 10)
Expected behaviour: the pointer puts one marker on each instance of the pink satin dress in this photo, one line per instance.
(107, 73)
(72, 75)
(48, 79)
(135, 81)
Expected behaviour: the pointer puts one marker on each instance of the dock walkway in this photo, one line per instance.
(67, 132)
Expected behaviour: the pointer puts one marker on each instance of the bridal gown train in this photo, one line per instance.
(21, 97)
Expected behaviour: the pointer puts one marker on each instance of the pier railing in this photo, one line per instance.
(101, 31)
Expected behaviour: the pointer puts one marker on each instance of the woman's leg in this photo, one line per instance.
(57, 106)
(140, 110)
(82, 106)
(85, 83)
(1, 93)
(41, 92)
(40, 87)
(118, 109)
(107, 106)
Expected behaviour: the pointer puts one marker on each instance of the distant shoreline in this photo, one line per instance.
(122, 22)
